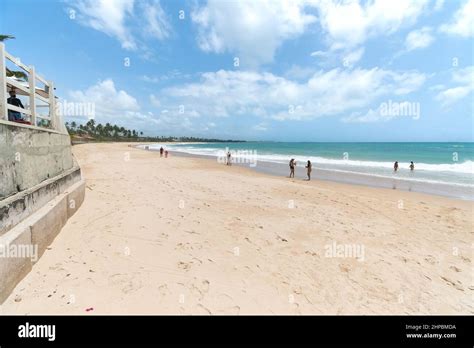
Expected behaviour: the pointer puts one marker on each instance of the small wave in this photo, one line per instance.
(466, 167)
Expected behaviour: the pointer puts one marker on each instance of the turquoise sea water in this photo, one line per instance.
(435, 163)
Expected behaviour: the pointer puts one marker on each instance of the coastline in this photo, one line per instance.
(361, 179)
(191, 236)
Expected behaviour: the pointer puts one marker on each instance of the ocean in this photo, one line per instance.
(440, 168)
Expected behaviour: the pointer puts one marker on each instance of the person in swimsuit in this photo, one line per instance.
(292, 168)
(412, 166)
(395, 166)
(309, 167)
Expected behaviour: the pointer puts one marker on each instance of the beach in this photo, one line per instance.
(188, 235)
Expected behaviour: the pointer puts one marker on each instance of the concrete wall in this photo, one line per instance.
(21, 205)
(30, 156)
(35, 234)
(40, 188)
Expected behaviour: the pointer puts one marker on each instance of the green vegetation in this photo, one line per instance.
(21, 75)
(92, 132)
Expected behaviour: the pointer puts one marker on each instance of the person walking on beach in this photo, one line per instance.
(166, 153)
(292, 168)
(161, 151)
(229, 158)
(412, 166)
(309, 168)
(395, 166)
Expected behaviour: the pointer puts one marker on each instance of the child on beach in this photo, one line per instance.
(412, 166)
(229, 161)
(309, 167)
(395, 166)
(166, 153)
(292, 168)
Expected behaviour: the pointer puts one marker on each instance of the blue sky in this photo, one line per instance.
(258, 70)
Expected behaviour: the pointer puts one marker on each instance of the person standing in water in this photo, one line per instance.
(292, 168)
(161, 151)
(412, 166)
(309, 168)
(395, 166)
(229, 158)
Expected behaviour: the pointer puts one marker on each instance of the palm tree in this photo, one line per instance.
(10, 73)
(6, 37)
(100, 130)
(91, 126)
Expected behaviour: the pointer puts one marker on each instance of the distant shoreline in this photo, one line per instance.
(347, 177)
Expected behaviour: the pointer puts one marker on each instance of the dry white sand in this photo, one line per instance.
(182, 235)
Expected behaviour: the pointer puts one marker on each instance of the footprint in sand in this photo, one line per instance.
(457, 284)
(163, 289)
(126, 283)
(345, 268)
(431, 260)
(203, 309)
(186, 266)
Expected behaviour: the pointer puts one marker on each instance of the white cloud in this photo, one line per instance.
(349, 24)
(319, 54)
(123, 19)
(261, 127)
(114, 106)
(174, 74)
(108, 17)
(157, 24)
(353, 57)
(463, 80)
(233, 93)
(369, 117)
(420, 38)
(253, 30)
(155, 101)
(462, 22)
(438, 5)
(297, 72)
(387, 111)
(451, 95)
(108, 100)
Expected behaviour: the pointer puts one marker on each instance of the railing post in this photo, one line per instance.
(32, 84)
(52, 106)
(3, 84)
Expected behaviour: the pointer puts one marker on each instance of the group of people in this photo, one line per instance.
(309, 168)
(163, 151)
(411, 166)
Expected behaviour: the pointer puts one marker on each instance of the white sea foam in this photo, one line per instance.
(466, 167)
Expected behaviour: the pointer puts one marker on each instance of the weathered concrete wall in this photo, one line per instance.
(35, 234)
(19, 206)
(30, 156)
(40, 188)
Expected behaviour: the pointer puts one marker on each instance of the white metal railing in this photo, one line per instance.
(29, 89)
